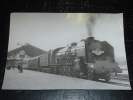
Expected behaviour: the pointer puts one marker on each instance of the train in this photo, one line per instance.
(89, 59)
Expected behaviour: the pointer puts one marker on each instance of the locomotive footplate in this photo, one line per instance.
(65, 64)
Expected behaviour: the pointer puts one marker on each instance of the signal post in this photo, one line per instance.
(22, 55)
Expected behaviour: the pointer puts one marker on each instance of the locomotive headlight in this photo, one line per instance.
(92, 66)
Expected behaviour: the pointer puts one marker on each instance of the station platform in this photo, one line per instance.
(33, 80)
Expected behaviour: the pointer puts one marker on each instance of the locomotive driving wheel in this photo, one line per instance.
(90, 75)
(107, 76)
(95, 78)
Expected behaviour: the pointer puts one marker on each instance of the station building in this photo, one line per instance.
(30, 51)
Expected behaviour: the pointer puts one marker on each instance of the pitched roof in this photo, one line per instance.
(30, 50)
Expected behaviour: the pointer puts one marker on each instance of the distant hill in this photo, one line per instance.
(121, 60)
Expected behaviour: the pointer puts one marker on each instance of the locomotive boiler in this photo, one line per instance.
(91, 59)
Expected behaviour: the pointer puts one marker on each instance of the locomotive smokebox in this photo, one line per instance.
(90, 39)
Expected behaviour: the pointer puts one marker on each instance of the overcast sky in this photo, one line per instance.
(52, 30)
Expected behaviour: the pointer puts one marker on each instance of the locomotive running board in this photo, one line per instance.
(67, 64)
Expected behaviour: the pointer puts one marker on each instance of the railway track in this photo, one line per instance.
(115, 83)
(120, 80)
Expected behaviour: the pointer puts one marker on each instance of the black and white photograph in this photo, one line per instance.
(48, 51)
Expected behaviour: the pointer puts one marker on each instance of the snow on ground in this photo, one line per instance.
(32, 80)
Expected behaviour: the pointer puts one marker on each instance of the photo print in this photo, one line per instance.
(49, 51)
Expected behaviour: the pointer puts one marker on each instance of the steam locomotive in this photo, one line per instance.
(89, 58)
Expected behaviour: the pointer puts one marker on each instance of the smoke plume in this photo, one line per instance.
(88, 18)
(90, 23)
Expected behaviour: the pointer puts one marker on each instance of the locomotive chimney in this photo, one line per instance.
(90, 39)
